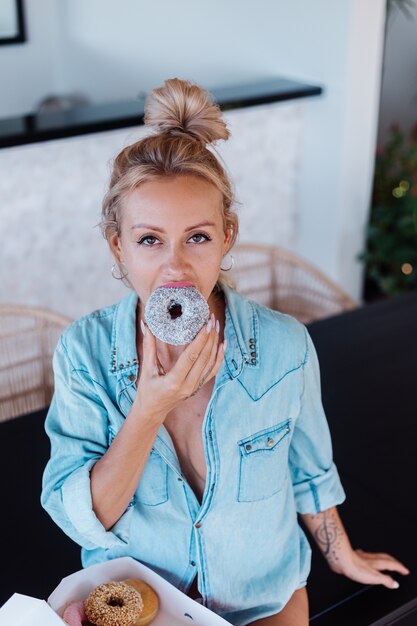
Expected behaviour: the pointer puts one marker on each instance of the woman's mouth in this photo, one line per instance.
(178, 284)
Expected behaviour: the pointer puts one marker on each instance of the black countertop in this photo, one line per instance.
(95, 118)
(368, 371)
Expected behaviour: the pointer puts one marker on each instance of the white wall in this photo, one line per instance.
(113, 51)
(399, 78)
(28, 71)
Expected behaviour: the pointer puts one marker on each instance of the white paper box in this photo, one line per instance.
(22, 610)
(175, 608)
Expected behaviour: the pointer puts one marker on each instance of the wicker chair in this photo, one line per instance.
(28, 337)
(284, 281)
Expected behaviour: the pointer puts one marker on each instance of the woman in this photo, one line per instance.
(194, 459)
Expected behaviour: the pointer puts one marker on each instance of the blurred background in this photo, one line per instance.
(330, 178)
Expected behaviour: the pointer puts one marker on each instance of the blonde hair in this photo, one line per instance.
(185, 122)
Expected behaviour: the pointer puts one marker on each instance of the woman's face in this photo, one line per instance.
(172, 232)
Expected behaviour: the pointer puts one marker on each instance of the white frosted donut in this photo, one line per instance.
(176, 314)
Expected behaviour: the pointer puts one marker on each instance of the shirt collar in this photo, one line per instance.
(241, 332)
(124, 357)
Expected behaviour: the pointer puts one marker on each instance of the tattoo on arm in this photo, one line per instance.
(328, 535)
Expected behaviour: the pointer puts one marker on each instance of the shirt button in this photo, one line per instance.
(248, 446)
(198, 525)
(192, 563)
(132, 377)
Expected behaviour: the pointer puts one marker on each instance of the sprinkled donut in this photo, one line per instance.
(176, 314)
(113, 604)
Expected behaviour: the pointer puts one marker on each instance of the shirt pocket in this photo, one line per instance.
(263, 462)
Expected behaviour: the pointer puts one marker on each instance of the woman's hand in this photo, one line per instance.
(367, 568)
(159, 392)
(363, 567)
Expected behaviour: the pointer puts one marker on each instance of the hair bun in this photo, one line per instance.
(180, 107)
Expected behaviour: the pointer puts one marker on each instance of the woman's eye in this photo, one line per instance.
(199, 238)
(148, 240)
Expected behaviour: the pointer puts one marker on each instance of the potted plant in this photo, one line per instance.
(391, 240)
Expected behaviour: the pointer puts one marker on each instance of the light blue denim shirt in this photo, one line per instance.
(268, 453)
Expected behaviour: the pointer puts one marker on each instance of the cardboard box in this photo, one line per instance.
(22, 610)
(176, 609)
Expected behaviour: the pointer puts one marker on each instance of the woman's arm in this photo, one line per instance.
(330, 535)
(115, 476)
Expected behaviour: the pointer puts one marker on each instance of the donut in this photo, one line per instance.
(176, 314)
(113, 604)
(150, 601)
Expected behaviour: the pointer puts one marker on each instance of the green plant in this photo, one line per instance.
(391, 247)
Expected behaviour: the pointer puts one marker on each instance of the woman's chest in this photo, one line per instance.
(185, 427)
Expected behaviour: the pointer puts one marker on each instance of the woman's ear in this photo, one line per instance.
(228, 238)
(115, 247)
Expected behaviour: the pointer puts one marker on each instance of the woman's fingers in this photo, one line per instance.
(202, 368)
(367, 575)
(372, 565)
(150, 362)
(382, 561)
(189, 357)
(198, 363)
(386, 581)
(213, 354)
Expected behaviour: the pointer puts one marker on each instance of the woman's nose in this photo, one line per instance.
(176, 262)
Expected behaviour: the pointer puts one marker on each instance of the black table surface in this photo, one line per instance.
(368, 361)
(36, 554)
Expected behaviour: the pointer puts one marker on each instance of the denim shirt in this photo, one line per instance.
(267, 447)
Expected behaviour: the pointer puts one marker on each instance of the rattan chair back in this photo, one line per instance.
(28, 337)
(286, 282)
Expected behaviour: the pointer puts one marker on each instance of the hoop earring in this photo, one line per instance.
(232, 262)
(122, 269)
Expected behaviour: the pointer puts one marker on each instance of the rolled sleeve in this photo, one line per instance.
(315, 479)
(77, 426)
(77, 503)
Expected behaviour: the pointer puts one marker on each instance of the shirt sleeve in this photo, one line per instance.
(77, 426)
(314, 475)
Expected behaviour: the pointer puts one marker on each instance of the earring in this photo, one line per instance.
(122, 269)
(232, 262)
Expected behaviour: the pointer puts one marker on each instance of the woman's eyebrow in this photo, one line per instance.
(161, 230)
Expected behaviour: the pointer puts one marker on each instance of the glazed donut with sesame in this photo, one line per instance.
(176, 314)
(114, 604)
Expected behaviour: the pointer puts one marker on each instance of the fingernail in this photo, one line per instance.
(395, 584)
(217, 326)
(209, 325)
(143, 328)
